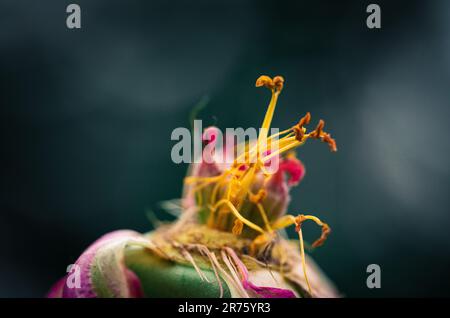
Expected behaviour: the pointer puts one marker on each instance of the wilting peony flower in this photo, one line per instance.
(226, 242)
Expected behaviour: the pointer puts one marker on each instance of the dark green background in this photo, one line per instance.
(86, 118)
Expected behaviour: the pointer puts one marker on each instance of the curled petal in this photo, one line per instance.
(258, 291)
(293, 168)
(269, 292)
(100, 270)
(290, 172)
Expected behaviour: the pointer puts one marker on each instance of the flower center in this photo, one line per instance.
(239, 198)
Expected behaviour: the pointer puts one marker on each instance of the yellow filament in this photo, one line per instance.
(302, 253)
(245, 184)
(194, 179)
(253, 150)
(238, 215)
(283, 222)
(199, 198)
(262, 212)
(216, 189)
(288, 220)
(269, 115)
(264, 217)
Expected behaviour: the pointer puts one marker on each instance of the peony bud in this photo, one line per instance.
(226, 242)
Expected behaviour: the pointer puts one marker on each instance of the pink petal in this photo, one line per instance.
(260, 291)
(84, 263)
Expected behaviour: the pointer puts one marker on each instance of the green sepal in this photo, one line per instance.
(161, 278)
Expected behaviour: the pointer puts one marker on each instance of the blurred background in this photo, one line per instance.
(86, 119)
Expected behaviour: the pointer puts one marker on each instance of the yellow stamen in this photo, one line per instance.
(288, 220)
(216, 189)
(325, 228)
(302, 254)
(199, 198)
(264, 217)
(283, 222)
(238, 215)
(258, 197)
(275, 86)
